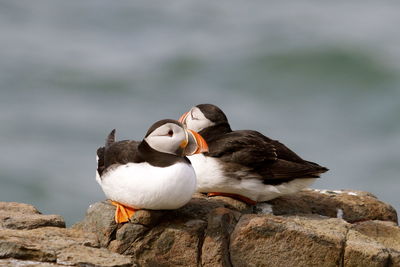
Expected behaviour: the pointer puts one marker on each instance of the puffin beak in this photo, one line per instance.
(182, 119)
(196, 144)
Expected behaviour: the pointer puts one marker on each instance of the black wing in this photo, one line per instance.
(120, 152)
(270, 159)
(243, 147)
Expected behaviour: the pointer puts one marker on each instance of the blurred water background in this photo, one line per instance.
(320, 76)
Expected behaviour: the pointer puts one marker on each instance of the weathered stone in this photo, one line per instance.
(41, 244)
(125, 236)
(18, 207)
(147, 217)
(394, 258)
(215, 249)
(23, 216)
(170, 243)
(100, 221)
(198, 208)
(362, 250)
(87, 256)
(352, 206)
(232, 203)
(14, 262)
(385, 234)
(267, 240)
(212, 231)
(16, 220)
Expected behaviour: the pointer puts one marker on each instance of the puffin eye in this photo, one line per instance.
(170, 133)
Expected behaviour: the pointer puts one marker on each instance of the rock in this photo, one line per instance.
(126, 236)
(41, 244)
(352, 206)
(18, 207)
(364, 251)
(267, 240)
(99, 220)
(58, 245)
(215, 249)
(23, 216)
(175, 243)
(86, 256)
(309, 228)
(14, 262)
(385, 234)
(147, 217)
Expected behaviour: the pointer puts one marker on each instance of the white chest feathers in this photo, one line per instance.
(211, 177)
(142, 185)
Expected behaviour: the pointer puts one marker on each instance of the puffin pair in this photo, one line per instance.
(156, 174)
(151, 174)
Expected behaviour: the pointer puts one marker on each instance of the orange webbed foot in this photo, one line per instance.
(123, 213)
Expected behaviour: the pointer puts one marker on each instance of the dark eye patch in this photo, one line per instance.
(170, 133)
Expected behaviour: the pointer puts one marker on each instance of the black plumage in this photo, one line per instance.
(116, 153)
(265, 158)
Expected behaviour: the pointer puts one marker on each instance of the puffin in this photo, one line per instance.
(244, 164)
(150, 174)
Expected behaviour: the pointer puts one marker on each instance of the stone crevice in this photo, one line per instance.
(343, 250)
(229, 240)
(200, 243)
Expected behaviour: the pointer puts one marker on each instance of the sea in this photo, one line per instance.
(323, 77)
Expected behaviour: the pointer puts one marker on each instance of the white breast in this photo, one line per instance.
(142, 185)
(211, 178)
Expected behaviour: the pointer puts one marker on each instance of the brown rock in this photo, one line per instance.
(86, 256)
(216, 231)
(18, 207)
(14, 262)
(170, 243)
(58, 245)
(147, 217)
(23, 216)
(267, 240)
(352, 206)
(99, 220)
(41, 244)
(362, 250)
(385, 234)
(232, 203)
(126, 235)
(215, 249)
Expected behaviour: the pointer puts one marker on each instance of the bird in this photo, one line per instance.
(150, 174)
(244, 164)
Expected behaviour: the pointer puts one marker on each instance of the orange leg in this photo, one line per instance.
(235, 196)
(123, 213)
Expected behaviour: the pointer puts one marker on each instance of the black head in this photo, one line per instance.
(213, 113)
(207, 119)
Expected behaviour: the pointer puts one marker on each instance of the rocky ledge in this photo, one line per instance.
(309, 228)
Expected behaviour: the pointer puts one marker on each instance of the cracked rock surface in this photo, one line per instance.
(309, 228)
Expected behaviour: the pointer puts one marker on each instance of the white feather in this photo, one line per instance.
(142, 185)
(211, 178)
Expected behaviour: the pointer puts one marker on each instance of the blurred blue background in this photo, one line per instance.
(322, 77)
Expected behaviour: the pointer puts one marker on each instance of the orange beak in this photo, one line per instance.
(196, 143)
(183, 117)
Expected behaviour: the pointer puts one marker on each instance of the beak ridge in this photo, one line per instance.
(196, 144)
(183, 117)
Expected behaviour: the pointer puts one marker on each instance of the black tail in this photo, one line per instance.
(110, 138)
(318, 169)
